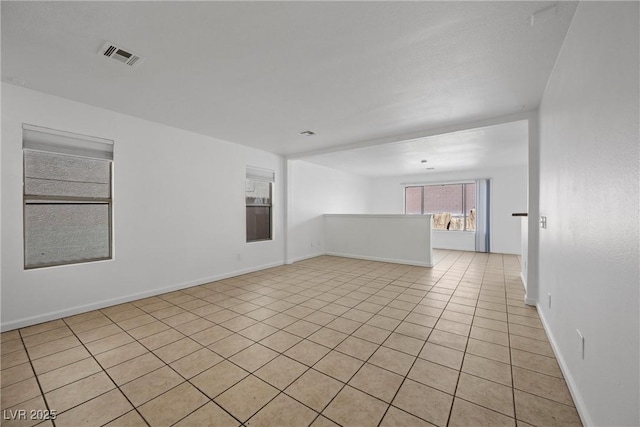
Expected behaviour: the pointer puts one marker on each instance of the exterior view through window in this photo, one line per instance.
(453, 205)
(67, 198)
(258, 198)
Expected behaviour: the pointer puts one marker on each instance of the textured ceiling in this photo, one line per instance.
(481, 148)
(258, 73)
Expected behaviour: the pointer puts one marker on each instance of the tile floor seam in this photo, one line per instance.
(355, 282)
(546, 398)
(110, 378)
(513, 394)
(513, 388)
(367, 361)
(346, 383)
(167, 391)
(531, 338)
(533, 370)
(46, 404)
(455, 390)
(211, 399)
(164, 365)
(406, 376)
(58, 352)
(272, 399)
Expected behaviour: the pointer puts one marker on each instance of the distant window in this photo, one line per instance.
(259, 199)
(453, 206)
(67, 198)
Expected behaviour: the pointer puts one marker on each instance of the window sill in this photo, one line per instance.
(454, 231)
(66, 264)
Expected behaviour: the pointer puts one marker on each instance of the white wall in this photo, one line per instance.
(508, 195)
(179, 215)
(313, 191)
(457, 241)
(589, 193)
(401, 239)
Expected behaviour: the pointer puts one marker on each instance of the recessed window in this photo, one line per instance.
(259, 200)
(67, 198)
(453, 206)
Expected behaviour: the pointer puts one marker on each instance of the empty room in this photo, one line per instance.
(320, 213)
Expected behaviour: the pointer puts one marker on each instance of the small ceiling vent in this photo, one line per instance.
(129, 58)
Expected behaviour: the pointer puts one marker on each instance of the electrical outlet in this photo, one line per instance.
(581, 343)
(549, 298)
(543, 222)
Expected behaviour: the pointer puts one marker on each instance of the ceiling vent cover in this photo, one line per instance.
(125, 56)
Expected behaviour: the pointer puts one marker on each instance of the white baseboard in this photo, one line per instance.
(527, 300)
(368, 258)
(524, 281)
(34, 320)
(581, 407)
(302, 258)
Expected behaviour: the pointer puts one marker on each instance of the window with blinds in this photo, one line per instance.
(67, 197)
(258, 200)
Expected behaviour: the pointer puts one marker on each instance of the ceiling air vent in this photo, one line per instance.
(112, 51)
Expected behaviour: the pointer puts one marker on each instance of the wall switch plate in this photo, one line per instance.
(549, 298)
(543, 222)
(581, 338)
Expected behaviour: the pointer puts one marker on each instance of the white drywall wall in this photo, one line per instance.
(313, 191)
(508, 195)
(454, 240)
(402, 239)
(589, 141)
(178, 209)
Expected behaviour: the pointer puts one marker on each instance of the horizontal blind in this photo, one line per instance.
(55, 141)
(52, 174)
(260, 174)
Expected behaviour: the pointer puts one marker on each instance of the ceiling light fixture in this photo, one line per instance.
(307, 133)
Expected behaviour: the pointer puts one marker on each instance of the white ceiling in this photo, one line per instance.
(486, 147)
(258, 73)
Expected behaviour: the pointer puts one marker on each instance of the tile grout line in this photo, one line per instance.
(358, 370)
(455, 390)
(46, 404)
(107, 374)
(404, 379)
(165, 364)
(513, 385)
(397, 280)
(308, 368)
(228, 359)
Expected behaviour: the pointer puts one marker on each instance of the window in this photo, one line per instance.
(67, 198)
(258, 199)
(453, 205)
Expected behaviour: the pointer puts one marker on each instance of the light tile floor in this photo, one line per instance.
(324, 342)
